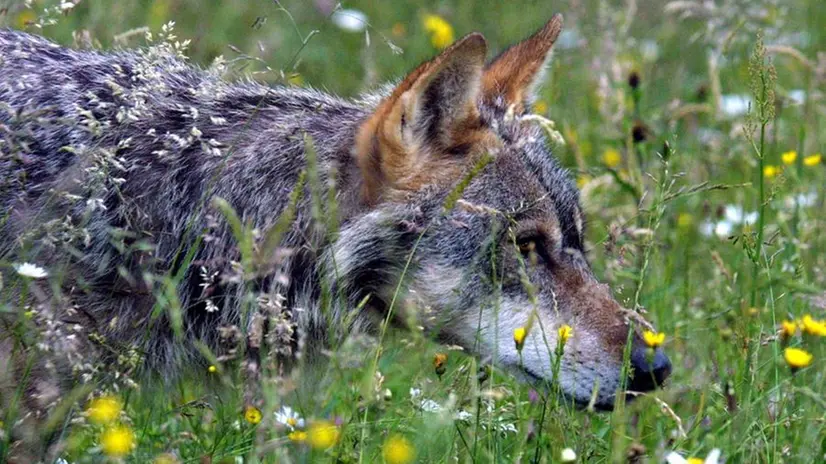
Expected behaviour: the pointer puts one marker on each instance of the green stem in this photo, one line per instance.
(762, 198)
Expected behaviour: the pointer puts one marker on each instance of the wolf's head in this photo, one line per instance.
(509, 252)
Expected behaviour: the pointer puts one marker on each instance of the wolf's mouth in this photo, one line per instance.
(544, 383)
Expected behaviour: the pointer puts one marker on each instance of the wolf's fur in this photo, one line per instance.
(127, 147)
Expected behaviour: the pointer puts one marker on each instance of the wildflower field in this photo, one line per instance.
(695, 131)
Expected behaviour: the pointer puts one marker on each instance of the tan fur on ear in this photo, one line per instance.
(404, 144)
(516, 72)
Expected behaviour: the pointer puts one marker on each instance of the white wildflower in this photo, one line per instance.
(675, 458)
(736, 215)
(350, 20)
(429, 405)
(289, 418)
(723, 229)
(733, 216)
(462, 415)
(567, 455)
(31, 270)
(797, 96)
(734, 105)
(803, 200)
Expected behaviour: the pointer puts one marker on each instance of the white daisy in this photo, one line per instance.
(31, 270)
(675, 458)
(289, 418)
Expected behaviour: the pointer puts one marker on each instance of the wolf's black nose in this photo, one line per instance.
(649, 369)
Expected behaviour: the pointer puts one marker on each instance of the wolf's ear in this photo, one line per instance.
(516, 73)
(407, 141)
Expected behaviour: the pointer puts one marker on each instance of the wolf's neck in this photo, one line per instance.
(305, 133)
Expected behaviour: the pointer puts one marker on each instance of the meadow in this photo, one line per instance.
(694, 130)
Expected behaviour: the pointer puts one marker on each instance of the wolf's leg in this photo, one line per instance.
(47, 364)
(31, 389)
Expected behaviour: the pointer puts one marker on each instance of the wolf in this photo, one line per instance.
(435, 198)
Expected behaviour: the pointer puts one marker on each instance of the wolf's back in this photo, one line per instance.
(99, 149)
(36, 85)
(168, 120)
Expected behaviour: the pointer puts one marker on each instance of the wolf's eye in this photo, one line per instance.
(526, 246)
(534, 247)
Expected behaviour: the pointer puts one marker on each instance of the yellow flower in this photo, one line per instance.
(694, 461)
(788, 328)
(812, 160)
(611, 158)
(398, 450)
(104, 410)
(789, 157)
(117, 441)
(540, 107)
(441, 32)
(322, 434)
(797, 358)
(565, 332)
(519, 335)
(771, 171)
(252, 415)
(813, 327)
(653, 339)
(212, 369)
(582, 180)
(684, 220)
(299, 436)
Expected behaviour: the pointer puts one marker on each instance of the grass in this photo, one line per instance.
(666, 230)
